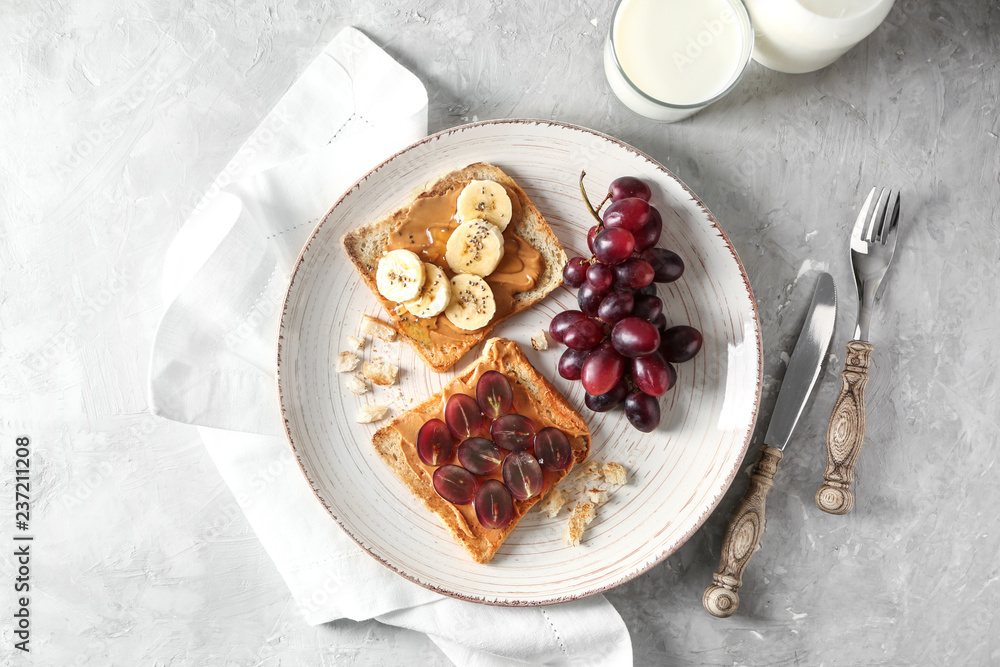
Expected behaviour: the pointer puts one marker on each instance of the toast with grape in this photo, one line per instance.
(433, 447)
(434, 323)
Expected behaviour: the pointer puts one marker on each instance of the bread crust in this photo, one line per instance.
(482, 543)
(364, 247)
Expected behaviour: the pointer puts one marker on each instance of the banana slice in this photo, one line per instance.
(476, 247)
(472, 305)
(400, 276)
(435, 295)
(487, 200)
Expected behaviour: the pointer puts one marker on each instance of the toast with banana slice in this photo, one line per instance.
(459, 256)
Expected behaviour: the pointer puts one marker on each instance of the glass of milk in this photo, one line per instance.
(798, 36)
(667, 59)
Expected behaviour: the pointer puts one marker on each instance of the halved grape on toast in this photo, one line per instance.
(481, 452)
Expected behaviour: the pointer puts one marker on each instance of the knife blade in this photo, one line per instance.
(804, 365)
(746, 526)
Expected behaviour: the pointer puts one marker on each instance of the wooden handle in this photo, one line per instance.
(746, 527)
(846, 431)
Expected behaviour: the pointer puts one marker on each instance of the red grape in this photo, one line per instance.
(614, 245)
(647, 307)
(494, 505)
(618, 339)
(600, 276)
(633, 337)
(463, 416)
(494, 395)
(522, 475)
(589, 298)
(667, 264)
(642, 411)
(571, 363)
(653, 375)
(575, 271)
(616, 306)
(455, 484)
(480, 456)
(584, 334)
(632, 274)
(608, 400)
(681, 343)
(602, 369)
(649, 235)
(561, 322)
(629, 186)
(513, 432)
(552, 449)
(631, 214)
(434, 443)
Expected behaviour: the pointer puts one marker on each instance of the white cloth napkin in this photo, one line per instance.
(213, 362)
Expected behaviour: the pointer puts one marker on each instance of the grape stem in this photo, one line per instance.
(603, 202)
(586, 200)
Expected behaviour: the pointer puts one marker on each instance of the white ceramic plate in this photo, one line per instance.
(678, 473)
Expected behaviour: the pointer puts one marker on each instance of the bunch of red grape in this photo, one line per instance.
(495, 442)
(619, 344)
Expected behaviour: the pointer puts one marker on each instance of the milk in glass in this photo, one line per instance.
(666, 59)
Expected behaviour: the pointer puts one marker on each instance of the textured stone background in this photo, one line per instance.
(114, 117)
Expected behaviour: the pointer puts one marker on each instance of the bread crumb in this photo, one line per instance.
(552, 503)
(377, 328)
(615, 473)
(591, 470)
(380, 372)
(598, 496)
(539, 341)
(371, 413)
(347, 362)
(355, 385)
(583, 514)
(355, 342)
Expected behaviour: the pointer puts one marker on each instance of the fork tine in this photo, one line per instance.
(888, 234)
(878, 217)
(863, 216)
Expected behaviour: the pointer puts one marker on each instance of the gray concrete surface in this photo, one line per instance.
(116, 116)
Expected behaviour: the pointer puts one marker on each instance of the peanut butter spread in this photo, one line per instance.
(499, 358)
(425, 230)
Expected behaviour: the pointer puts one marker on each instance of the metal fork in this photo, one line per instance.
(873, 242)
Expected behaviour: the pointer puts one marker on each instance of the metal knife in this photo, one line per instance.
(746, 526)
